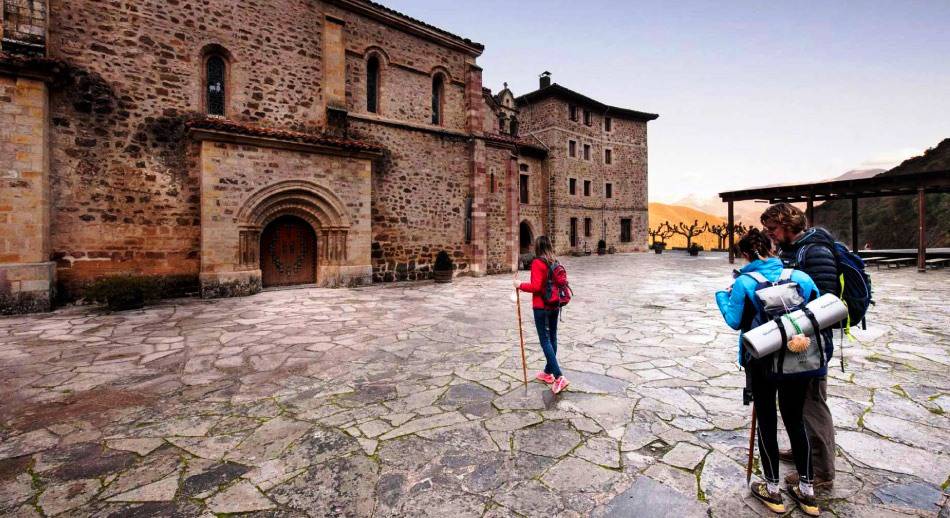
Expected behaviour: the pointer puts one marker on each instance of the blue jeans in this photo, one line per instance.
(546, 322)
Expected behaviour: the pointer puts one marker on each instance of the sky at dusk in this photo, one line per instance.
(748, 92)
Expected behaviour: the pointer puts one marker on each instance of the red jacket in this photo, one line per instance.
(539, 277)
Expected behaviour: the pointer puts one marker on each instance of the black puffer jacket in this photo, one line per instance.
(818, 261)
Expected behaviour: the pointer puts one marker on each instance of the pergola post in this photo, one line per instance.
(732, 234)
(854, 225)
(921, 231)
(810, 211)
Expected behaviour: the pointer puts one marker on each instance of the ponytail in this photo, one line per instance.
(754, 244)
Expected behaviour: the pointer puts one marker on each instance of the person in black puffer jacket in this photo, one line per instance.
(810, 250)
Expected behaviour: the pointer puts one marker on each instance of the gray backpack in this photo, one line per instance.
(774, 301)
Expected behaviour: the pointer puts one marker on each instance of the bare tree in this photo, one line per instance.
(662, 231)
(690, 231)
(721, 232)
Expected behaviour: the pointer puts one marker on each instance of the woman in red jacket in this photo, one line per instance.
(545, 319)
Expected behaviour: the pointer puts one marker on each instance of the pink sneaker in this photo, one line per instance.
(559, 385)
(545, 377)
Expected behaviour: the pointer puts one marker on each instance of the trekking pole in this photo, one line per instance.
(748, 468)
(524, 362)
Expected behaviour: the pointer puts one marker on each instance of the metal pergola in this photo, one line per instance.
(874, 187)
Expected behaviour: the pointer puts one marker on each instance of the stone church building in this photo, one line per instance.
(243, 145)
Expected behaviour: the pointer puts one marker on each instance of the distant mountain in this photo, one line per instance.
(745, 212)
(857, 174)
(674, 214)
(891, 222)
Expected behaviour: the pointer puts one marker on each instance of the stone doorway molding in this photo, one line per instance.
(313, 203)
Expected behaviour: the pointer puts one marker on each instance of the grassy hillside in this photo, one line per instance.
(660, 212)
(891, 222)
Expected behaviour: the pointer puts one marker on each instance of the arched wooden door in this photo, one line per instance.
(288, 252)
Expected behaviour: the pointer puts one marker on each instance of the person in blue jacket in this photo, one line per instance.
(738, 311)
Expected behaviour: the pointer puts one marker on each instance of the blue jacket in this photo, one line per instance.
(732, 303)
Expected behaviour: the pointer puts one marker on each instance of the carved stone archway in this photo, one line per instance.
(315, 204)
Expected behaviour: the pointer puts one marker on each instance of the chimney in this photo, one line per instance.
(545, 79)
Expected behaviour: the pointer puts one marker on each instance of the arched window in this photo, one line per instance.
(372, 85)
(438, 92)
(216, 71)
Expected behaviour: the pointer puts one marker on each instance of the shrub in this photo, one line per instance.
(121, 292)
(443, 262)
(659, 245)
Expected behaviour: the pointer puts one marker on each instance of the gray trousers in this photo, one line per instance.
(821, 429)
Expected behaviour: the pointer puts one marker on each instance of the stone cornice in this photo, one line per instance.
(411, 25)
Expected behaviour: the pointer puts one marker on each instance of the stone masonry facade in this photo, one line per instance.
(152, 138)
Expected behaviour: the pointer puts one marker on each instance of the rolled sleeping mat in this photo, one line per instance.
(766, 339)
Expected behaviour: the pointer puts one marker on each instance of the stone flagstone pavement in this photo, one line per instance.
(407, 400)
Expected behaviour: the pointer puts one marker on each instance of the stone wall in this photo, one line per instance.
(26, 276)
(500, 206)
(419, 194)
(244, 186)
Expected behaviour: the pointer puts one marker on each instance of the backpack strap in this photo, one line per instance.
(817, 329)
(758, 277)
(786, 274)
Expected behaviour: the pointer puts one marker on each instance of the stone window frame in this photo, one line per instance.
(572, 112)
(572, 233)
(572, 186)
(214, 50)
(382, 61)
(572, 148)
(524, 187)
(588, 227)
(587, 187)
(588, 118)
(608, 156)
(626, 230)
(608, 124)
(440, 77)
(608, 190)
(587, 152)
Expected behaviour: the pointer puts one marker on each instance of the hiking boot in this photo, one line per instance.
(771, 500)
(559, 385)
(545, 377)
(819, 484)
(786, 455)
(807, 503)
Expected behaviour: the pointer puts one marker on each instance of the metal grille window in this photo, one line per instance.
(372, 85)
(24, 26)
(215, 88)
